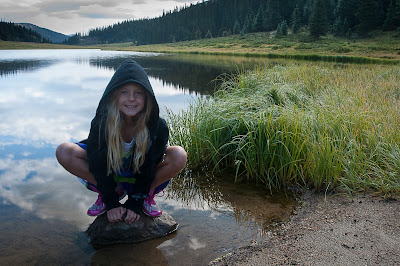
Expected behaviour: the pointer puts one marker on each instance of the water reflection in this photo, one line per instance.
(146, 253)
(183, 75)
(253, 208)
(16, 66)
(50, 96)
(27, 239)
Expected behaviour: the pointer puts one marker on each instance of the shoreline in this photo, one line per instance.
(339, 230)
(382, 48)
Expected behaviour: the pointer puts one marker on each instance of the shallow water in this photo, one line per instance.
(50, 96)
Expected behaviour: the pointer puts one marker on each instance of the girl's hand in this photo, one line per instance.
(115, 215)
(131, 216)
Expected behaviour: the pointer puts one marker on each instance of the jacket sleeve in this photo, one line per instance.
(97, 155)
(148, 169)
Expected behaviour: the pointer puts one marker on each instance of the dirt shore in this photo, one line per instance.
(331, 230)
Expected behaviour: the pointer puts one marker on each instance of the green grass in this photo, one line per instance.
(8, 45)
(320, 125)
(382, 47)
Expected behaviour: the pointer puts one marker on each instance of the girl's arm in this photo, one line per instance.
(148, 169)
(97, 154)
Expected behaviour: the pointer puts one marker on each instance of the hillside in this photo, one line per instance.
(10, 31)
(54, 37)
(218, 18)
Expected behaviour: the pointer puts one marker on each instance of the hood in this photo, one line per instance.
(129, 72)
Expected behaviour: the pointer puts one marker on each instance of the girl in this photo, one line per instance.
(126, 150)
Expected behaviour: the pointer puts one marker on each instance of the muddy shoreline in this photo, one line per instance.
(335, 229)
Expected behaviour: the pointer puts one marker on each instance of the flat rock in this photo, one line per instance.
(102, 232)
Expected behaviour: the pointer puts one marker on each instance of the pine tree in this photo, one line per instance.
(272, 17)
(338, 26)
(296, 20)
(258, 24)
(197, 34)
(284, 28)
(208, 34)
(346, 27)
(246, 27)
(236, 27)
(391, 16)
(398, 13)
(318, 19)
(346, 9)
(278, 32)
(367, 14)
(307, 11)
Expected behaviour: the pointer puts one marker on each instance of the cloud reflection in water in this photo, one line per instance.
(42, 105)
(50, 97)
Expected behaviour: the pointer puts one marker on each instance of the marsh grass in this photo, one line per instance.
(325, 126)
(8, 45)
(384, 47)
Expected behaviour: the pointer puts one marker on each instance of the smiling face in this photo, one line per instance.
(131, 99)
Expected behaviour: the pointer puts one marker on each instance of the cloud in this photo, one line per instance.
(102, 12)
(39, 185)
(50, 6)
(73, 16)
(55, 103)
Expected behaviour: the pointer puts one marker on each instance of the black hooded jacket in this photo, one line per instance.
(97, 148)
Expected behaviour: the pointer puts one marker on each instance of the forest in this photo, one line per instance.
(17, 33)
(215, 18)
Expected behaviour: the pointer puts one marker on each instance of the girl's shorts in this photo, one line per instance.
(126, 186)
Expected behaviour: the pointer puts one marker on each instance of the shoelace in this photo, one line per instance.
(98, 200)
(159, 193)
(150, 200)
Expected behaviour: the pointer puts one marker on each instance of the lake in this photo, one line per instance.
(50, 96)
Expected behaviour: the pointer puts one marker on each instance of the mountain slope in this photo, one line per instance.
(53, 36)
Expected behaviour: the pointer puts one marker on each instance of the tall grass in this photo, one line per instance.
(324, 126)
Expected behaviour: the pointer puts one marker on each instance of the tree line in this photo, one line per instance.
(12, 32)
(216, 18)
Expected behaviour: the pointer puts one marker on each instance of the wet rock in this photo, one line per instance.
(102, 232)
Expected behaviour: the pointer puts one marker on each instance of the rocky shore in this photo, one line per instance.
(332, 229)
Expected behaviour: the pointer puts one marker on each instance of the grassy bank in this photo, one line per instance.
(379, 48)
(384, 47)
(6, 45)
(324, 126)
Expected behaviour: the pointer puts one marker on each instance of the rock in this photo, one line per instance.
(102, 232)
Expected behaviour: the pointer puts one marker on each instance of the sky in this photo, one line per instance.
(72, 16)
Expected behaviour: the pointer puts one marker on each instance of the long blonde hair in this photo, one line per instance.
(114, 137)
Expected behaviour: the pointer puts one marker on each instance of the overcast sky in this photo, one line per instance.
(71, 16)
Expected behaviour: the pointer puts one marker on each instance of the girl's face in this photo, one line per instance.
(131, 99)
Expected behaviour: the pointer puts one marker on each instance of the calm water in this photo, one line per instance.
(50, 96)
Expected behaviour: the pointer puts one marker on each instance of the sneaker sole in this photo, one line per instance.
(94, 215)
(148, 214)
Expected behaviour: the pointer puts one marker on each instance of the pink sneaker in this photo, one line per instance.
(98, 208)
(150, 207)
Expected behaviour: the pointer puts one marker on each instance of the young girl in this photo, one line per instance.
(126, 150)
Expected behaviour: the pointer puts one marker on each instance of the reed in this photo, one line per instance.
(320, 125)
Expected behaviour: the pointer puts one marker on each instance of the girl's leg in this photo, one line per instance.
(74, 159)
(174, 161)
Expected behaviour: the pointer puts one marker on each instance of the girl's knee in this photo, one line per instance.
(62, 152)
(65, 152)
(179, 157)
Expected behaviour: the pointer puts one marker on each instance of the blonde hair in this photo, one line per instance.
(114, 137)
